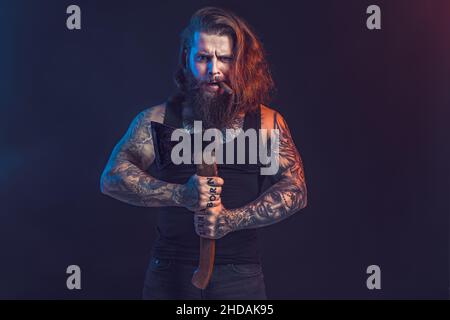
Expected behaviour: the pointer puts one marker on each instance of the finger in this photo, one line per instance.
(207, 190)
(200, 218)
(200, 213)
(200, 221)
(214, 190)
(216, 181)
(208, 197)
(213, 213)
(199, 230)
(209, 204)
(212, 181)
(202, 229)
(208, 218)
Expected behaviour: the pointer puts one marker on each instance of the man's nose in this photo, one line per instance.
(213, 69)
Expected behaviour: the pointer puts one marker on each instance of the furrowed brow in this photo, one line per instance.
(225, 56)
(204, 53)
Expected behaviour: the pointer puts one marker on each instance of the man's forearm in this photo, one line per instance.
(280, 201)
(128, 183)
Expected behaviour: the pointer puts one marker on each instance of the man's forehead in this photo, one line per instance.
(212, 43)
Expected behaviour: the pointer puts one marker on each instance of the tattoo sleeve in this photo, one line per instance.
(285, 197)
(125, 178)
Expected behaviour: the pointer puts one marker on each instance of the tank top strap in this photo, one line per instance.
(253, 120)
(173, 115)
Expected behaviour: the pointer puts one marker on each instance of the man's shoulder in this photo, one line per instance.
(269, 116)
(155, 113)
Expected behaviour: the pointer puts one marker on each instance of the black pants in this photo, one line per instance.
(171, 280)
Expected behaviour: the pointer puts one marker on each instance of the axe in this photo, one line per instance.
(163, 146)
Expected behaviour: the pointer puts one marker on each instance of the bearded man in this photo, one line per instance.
(224, 81)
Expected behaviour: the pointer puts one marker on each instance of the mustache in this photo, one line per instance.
(195, 85)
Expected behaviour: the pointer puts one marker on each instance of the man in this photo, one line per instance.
(217, 46)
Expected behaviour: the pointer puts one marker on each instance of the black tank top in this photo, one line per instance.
(176, 233)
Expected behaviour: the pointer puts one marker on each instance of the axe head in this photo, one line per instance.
(161, 135)
(162, 143)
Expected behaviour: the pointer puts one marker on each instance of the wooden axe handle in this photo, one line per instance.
(202, 275)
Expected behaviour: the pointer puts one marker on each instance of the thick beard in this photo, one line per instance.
(214, 110)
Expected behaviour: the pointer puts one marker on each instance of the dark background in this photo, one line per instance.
(368, 111)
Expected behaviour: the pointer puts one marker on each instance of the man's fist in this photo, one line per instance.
(213, 223)
(200, 193)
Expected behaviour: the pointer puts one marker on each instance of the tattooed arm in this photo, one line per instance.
(124, 177)
(287, 196)
(281, 200)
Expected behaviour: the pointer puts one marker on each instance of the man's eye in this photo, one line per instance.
(202, 58)
(227, 59)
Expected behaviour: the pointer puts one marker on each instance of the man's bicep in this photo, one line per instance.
(136, 145)
(290, 162)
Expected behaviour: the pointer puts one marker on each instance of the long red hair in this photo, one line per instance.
(250, 77)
